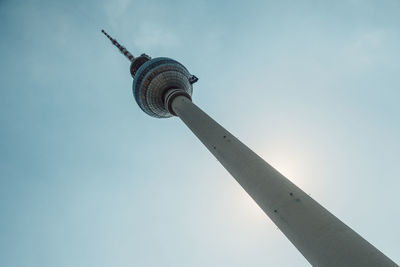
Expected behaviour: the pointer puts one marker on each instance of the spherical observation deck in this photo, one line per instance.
(156, 81)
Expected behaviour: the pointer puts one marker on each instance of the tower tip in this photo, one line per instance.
(123, 50)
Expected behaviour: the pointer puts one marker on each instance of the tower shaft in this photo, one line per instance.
(321, 237)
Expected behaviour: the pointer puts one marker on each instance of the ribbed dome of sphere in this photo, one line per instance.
(153, 79)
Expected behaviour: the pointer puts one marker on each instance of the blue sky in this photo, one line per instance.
(88, 179)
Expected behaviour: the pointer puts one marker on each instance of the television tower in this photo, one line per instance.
(163, 87)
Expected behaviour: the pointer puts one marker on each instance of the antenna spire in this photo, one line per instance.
(120, 47)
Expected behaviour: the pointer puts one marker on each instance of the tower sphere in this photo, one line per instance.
(157, 81)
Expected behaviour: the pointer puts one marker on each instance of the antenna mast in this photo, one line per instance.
(120, 47)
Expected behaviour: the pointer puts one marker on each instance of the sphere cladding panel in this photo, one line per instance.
(151, 81)
(160, 84)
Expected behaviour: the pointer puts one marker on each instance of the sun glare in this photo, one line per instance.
(292, 160)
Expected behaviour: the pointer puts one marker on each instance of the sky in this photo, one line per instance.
(88, 179)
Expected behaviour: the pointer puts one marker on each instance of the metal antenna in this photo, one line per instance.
(120, 47)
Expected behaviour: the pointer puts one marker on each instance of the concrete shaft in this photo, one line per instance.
(321, 237)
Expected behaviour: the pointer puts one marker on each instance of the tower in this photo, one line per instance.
(162, 87)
